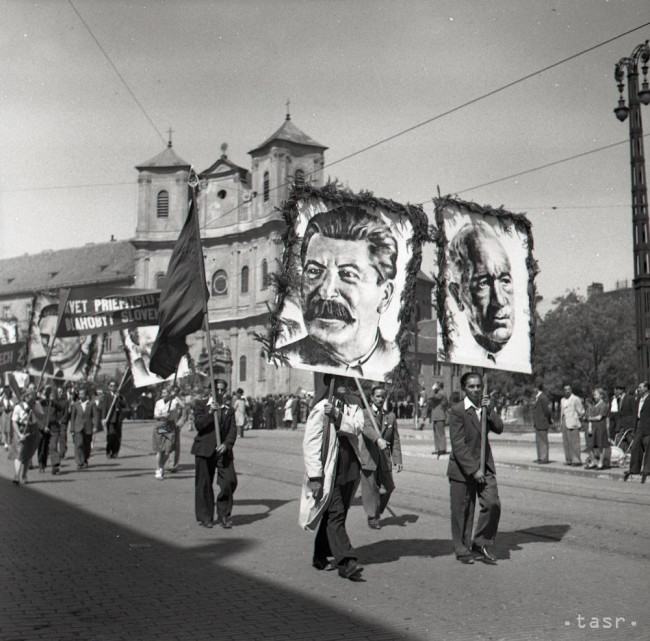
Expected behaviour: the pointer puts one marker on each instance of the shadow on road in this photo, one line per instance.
(268, 504)
(390, 550)
(107, 581)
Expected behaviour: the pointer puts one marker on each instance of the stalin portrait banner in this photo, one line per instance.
(486, 289)
(345, 293)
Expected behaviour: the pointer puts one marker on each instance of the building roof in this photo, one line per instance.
(223, 166)
(166, 159)
(288, 132)
(92, 263)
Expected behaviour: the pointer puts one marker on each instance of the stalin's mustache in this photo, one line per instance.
(327, 309)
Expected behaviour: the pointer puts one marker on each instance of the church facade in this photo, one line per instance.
(241, 229)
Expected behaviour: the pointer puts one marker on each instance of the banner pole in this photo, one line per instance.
(368, 409)
(193, 183)
(127, 371)
(483, 425)
(63, 301)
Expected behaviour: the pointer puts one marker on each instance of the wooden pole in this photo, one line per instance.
(193, 184)
(368, 408)
(484, 413)
(127, 371)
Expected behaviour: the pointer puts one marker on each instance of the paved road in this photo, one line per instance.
(111, 554)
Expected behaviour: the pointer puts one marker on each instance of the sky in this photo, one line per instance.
(355, 73)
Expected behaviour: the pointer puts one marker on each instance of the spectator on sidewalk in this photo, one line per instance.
(625, 418)
(640, 451)
(571, 412)
(287, 417)
(379, 453)
(26, 420)
(241, 411)
(269, 412)
(466, 480)
(542, 423)
(438, 406)
(598, 439)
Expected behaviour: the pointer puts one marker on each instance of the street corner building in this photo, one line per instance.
(350, 266)
(486, 293)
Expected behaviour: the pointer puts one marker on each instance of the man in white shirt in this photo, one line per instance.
(166, 412)
(571, 411)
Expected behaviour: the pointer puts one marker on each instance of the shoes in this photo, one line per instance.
(173, 469)
(15, 482)
(374, 524)
(159, 474)
(483, 554)
(226, 524)
(208, 524)
(322, 564)
(466, 559)
(543, 462)
(55, 470)
(351, 570)
(626, 475)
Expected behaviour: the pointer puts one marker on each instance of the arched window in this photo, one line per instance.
(244, 280)
(162, 204)
(261, 374)
(299, 177)
(265, 274)
(266, 186)
(242, 369)
(161, 279)
(219, 283)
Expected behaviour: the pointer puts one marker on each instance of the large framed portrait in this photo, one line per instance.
(73, 358)
(486, 288)
(345, 292)
(138, 342)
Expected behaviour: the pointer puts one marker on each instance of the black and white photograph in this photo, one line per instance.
(356, 344)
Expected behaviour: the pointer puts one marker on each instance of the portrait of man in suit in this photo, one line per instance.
(349, 259)
(481, 284)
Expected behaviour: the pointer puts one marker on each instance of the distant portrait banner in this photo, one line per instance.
(486, 289)
(100, 310)
(72, 358)
(344, 295)
(138, 342)
(11, 356)
(8, 331)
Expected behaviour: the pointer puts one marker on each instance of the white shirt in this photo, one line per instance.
(163, 408)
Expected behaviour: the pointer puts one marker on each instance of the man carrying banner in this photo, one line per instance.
(112, 415)
(84, 418)
(466, 479)
(378, 456)
(331, 454)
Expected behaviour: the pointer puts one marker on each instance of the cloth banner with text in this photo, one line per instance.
(347, 287)
(485, 294)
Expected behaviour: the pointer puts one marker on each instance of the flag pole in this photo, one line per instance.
(193, 183)
(484, 413)
(367, 406)
(127, 371)
(64, 294)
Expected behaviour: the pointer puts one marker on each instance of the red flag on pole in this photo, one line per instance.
(182, 299)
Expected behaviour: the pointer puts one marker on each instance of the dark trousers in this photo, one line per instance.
(376, 489)
(63, 442)
(541, 441)
(113, 439)
(463, 502)
(55, 447)
(43, 449)
(332, 538)
(82, 443)
(439, 437)
(204, 469)
(640, 454)
(227, 483)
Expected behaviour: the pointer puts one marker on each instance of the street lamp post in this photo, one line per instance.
(641, 235)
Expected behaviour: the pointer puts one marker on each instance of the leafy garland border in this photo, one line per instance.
(287, 280)
(505, 219)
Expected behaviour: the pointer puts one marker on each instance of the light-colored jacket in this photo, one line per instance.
(571, 411)
(312, 447)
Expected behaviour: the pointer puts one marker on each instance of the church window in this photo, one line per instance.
(265, 274)
(162, 204)
(266, 186)
(242, 369)
(299, 177)
(221, 193)
(244, 280)
(161, 279)
(219, 283)
(261, 376)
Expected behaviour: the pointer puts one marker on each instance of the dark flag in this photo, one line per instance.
(182, 299)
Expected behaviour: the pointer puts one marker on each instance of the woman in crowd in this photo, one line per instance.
(26, 421)
(596, 434)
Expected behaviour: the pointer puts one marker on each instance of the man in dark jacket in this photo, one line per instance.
(112, 412)
(465, 477)
(226, 475)
(640, 450)
(542, 423)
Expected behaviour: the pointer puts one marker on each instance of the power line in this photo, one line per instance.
(79, 186)
(116, 70)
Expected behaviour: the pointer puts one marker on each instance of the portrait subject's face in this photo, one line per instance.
(342, 300)
(488, 295)
(64, 350)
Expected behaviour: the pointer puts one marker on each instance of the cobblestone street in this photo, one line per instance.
(113, 554)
